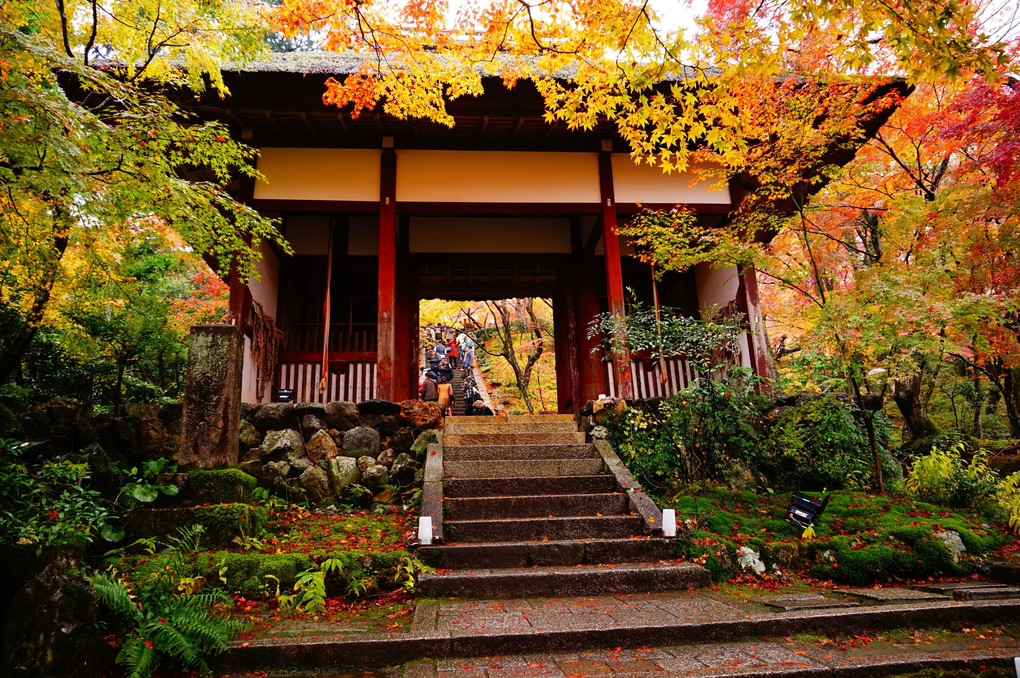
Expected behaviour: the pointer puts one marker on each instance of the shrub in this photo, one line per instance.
(48, 503)
(820, 444)
(943, 477)
(692, 436)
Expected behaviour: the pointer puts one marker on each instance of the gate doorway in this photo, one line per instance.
(501, 352)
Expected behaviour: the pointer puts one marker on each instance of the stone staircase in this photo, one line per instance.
(458, 407)
(524, 505)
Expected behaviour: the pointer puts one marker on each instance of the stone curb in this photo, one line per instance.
(378, 650)
(432, 487)
(640, 502)
(888, 667)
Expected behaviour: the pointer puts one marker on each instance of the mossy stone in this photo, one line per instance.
(221, 486)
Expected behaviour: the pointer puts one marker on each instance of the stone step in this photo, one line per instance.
(536, 506)
(481, 487)
(546, 553)
(564, 581)
(482, 452)
(516, 418)
(518, 438)
(682, 621)
(483, 425)
(531, 529)
(507, 468)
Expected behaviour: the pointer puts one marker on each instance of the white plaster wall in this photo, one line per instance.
(716, 286)
(497, 176)
(634, 183)
(319, 174)
(490, 235)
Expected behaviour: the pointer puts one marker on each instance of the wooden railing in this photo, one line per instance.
(646, 377)
(346, 380)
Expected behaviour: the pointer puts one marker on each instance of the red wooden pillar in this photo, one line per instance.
(405, 364)
(590, 377)
(614, 272)
(563, 340)
(386, 380)
(747, 301)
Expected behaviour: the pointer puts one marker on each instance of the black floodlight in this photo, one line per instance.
(804, 510)
(284, 395)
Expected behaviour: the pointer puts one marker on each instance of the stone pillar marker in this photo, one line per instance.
(212, 397)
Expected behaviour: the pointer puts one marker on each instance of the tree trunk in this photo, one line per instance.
(907, 396)
(869, 426)
(979, 402)
(1011, 399)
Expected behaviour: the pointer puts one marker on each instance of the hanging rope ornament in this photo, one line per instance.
(658, 323)
(326, 314)
(266, 339)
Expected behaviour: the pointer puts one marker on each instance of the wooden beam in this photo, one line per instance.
(485, 124)
(614, 272)
(386, 387)
(308, 123)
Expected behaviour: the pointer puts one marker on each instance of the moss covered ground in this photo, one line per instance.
(861, 538)
(369, 546)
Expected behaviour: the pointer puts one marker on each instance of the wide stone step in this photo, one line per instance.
(484, 452)
(531, 529)
(483, 425)
(564, 581)
(519, 438)
(548, 553)
(515, 418)
(507, 468)
(485, 487)
(535, 506)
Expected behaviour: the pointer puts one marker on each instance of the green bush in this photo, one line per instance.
(695, 435)
(944, 477)
(820, 444)
(48, 503)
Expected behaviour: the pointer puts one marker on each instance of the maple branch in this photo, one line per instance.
(92, 34)
(63, 28)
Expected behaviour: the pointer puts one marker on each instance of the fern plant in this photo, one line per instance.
(165, 622)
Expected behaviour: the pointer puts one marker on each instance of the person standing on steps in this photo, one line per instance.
(446, 398)
(451, 352)
(469, 359)
(429, 390)
(444, 371)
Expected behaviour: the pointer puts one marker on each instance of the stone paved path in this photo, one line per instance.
(747, 658)
(673, 633)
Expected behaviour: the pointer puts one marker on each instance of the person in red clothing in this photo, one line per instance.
(451, 352)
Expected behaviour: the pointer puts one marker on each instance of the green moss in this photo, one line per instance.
(257, 575)
(221, 486)
(223, 522)
(861, 538)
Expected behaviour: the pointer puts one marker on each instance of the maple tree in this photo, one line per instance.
(91, 139)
